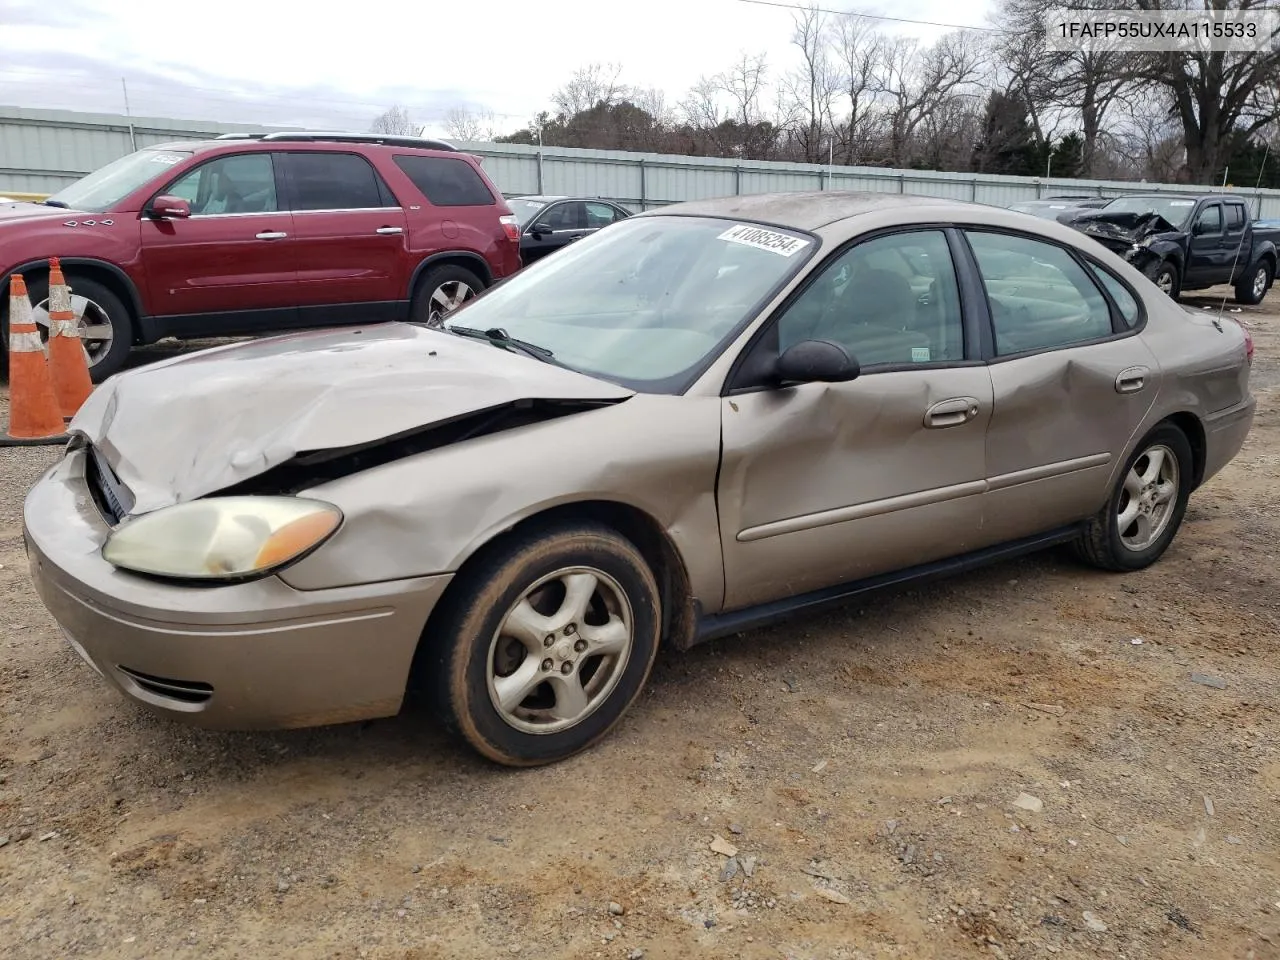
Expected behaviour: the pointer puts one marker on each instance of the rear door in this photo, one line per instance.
(353, 264)
(1205, 263)
(1071, 379)
(230, 266)
(1235, 248)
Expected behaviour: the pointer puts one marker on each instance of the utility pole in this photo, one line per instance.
(133, 140)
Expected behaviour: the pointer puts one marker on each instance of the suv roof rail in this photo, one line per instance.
(421, 143)
(240, 136)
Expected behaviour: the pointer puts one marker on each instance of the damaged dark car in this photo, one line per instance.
(1188, 243)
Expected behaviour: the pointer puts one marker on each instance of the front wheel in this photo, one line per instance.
(547, 646)
(106, 328)
(1145, 509)
(1165, 276)
(1252, 287)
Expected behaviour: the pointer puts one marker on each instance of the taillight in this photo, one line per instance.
(511, 225)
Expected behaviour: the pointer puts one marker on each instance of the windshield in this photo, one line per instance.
(107, 186)
(646, 302)
(525, 210)
(1174, 210)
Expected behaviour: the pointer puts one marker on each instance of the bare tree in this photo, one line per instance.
(859, 50)
(462, 124)
(745, 83)
(1215, 93)
(394, 120)
(914, 80)
(812, 87)
(591, 86)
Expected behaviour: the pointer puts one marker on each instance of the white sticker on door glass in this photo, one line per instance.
(783, 244)
(919, 354)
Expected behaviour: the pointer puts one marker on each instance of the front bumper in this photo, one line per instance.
(256, 655)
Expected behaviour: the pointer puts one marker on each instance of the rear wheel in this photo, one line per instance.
(1252, 287)
(1146, 508)
(547, 646)
(440, 291)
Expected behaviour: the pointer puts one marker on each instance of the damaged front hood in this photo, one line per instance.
(1126, 227)
(193, 425)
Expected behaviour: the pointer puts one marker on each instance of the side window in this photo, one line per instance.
(333, 181)
(564, 216)
(1235, 216)
(601, 215)
(446, 182)
(1210, 220)
(891, 300)
(1120, 294)
(241, 183)
(1040, 297)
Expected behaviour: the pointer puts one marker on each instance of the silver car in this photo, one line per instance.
(701, 419)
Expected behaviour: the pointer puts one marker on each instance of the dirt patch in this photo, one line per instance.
(865, 764)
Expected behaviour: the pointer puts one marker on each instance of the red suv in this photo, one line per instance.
(251, 234)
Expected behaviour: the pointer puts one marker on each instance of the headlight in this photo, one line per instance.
(222, 538)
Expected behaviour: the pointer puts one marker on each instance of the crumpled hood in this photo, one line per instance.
(190, 426)
(1128, 226)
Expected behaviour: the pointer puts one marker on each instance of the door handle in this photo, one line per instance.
(1131, 380)
(951, 413)
(272, 235)
(390, 230)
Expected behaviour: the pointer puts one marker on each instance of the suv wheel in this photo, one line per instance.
(441, 291)
(106, 327)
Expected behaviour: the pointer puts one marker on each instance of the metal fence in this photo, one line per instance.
(41, 151)
(644, 180)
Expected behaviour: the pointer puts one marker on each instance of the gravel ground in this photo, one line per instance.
(867, 765)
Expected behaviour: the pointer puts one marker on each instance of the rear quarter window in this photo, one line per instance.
(446, 182)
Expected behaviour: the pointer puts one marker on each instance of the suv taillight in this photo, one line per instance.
(511, 225)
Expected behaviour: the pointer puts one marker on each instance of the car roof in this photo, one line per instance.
(807, 211)
(306, 141)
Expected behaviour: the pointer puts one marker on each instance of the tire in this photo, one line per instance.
(473, 647)
(455, 284)
(1165, 276)
(1253, 286)
(1104, 543)
(104, 359)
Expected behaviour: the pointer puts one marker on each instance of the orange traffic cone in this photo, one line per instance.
(67, 362)
(33, 409)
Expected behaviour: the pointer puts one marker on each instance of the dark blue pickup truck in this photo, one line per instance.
(1188, 242)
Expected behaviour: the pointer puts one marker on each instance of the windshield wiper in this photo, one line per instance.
(54, 203)
(499, 337)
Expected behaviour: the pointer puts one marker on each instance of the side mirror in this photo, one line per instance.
(816, 361)
(541, 230)
(170, 208)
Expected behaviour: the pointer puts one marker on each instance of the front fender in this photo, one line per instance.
(431, 511)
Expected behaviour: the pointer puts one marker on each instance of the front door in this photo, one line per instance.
(554, 228)
(353, 261)
(826, 483)
(230, 266)
(1071, 380)
(1205, 262)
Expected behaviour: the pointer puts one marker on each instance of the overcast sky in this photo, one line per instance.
(338, 65)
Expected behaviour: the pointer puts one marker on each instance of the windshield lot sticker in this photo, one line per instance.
(1182, 203)
(168, 159)
(783, 244)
